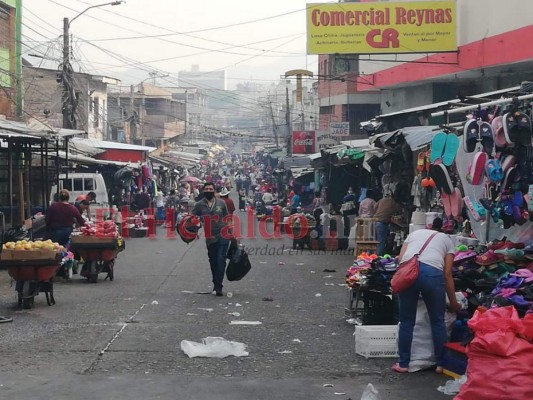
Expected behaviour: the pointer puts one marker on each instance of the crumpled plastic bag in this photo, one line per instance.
(370, 393)
(452, 387)
(213, 347)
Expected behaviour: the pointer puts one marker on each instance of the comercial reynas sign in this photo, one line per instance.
(366, 28)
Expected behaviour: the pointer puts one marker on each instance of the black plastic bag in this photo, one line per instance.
(239, 264)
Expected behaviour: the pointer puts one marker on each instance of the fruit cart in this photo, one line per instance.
(33, 271)
(99, 254)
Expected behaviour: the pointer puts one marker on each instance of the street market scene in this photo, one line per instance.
(221, 200)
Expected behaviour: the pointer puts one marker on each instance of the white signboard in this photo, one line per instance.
(339, 128)
(324, 139)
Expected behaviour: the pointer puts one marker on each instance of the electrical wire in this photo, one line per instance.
(145, 36)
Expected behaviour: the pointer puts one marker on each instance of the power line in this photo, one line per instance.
(145, 36)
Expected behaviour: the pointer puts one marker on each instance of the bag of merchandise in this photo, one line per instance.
(239, 265)
(499, 357)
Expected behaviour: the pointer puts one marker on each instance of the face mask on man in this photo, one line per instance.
(209, 195)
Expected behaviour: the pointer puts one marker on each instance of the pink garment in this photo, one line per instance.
(367, 208)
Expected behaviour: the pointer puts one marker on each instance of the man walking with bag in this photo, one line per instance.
(213, 213)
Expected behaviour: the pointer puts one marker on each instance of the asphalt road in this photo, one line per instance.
(121, 339)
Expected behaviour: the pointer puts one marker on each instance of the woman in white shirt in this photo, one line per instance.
(434, 282)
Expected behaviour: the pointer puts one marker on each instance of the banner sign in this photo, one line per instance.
(325, 140)
(303, 142)
(339, 128)
(379, 28)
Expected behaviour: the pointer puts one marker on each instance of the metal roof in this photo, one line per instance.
(440, 104)
(78, 158)
(102, 144)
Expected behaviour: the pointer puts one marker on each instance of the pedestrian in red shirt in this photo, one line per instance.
(224, 195)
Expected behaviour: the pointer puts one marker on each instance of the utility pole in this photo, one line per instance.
(288, 121)
(70, 97)
(141, 116)
(186, 119)
(132, 127)
(274, 127)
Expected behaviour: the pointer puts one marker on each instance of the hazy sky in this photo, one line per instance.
(255, 40)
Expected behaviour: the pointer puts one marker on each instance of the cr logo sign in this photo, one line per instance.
(383, 40)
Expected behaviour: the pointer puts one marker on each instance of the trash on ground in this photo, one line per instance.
(330, 284)
(268, 299)
(155, 302)
(214, 347)
(245, 323)
(238, 305)
(205, 309)
(285, 352)
(235, 314)
(328, 276)
(190, 313)
(452, 387)
(300, 264)
(296, 340)
(229, 294)
(339, 393)
(281, 263)
(352, 321)
(327, 385)
(277, 306)
(321, 326)
(341, 284)
(262, 262)
(318, 295)
(329, 270)
(370, 393)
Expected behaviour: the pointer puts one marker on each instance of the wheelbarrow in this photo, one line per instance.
(32, 277)
(99, 257)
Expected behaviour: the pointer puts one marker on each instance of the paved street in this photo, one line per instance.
(121, 339)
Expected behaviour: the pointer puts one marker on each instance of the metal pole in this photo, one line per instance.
(10, 178)
(43, 184)
(475, 107)
(66, 158)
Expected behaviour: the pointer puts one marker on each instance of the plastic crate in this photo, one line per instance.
(376, 341)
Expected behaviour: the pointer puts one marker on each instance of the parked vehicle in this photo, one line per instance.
(79, 183)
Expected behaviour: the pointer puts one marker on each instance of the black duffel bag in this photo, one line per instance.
(239, 264)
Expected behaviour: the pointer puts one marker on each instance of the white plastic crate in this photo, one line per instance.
(373, 341)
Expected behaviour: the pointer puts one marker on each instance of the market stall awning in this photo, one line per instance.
(84, 160)
(415, 136)
(298, 172)
(102, 144)
(358, 143)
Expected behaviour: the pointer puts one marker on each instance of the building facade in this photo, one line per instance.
(43, 100)
(493, 52)
(10, 59)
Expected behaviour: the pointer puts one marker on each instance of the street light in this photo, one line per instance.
(70, 101)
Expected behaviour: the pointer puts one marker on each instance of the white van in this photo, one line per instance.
(83, 183)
